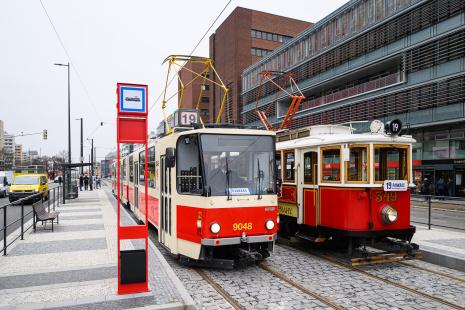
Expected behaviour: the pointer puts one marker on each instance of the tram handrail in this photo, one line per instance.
(447, 200)
(3, 229)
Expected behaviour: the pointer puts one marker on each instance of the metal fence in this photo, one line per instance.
(432, 201)
(54, 196)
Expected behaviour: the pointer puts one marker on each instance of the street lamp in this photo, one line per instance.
(82, 154)
(69, 116)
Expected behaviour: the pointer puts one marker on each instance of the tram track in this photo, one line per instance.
(433, 271)
(444, 302)
(261, 265)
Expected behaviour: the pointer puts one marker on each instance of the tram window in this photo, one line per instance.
(188, 178)
(142, 168)
(131, 169)
(289, 168)
(310, 171)
(357, 168)
(278, 164)
(124, 169)
(391, 163)
(331, 162)
(151, 165)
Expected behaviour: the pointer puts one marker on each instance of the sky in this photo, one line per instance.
(106, 42)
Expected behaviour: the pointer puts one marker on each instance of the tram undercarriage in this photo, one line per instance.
(230, 256)
(363, 247)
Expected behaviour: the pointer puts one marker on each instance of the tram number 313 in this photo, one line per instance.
(389, 196)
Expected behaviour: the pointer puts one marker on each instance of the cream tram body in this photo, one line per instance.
(204, 215)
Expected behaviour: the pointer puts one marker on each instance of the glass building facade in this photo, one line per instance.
(378, 59)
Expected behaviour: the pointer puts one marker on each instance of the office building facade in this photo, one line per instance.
(379, 59)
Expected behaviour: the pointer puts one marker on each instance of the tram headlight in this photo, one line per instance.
(215, 228)
(269, 224)
(389, 214)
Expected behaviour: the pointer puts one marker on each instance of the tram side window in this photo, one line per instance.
(391, 163)
(331, 161)
(131, 169)
(289, 168)
(142, 168)
(357, 168)
(188, 178)
(278, 164)
(310, 171)
(124, 170)
(151, 165)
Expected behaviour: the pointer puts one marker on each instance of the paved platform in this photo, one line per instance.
(441, 247)
(75, 266)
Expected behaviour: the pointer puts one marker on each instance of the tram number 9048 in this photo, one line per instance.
(242, 226)
(389, 196)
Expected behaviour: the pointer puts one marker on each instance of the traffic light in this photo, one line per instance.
(45, 134)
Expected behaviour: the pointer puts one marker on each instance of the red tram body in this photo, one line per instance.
(334, 187)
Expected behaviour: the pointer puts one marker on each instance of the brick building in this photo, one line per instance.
(246, 36)
(242, 39)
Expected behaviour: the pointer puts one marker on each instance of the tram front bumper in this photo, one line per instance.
(238, 240)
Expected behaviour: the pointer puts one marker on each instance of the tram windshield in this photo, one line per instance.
(238, 164)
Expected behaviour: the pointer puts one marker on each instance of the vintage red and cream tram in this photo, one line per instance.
(340, 185)
(211, 194)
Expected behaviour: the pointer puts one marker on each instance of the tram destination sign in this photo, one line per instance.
(395, 185)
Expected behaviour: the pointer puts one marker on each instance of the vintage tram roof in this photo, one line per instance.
(232, 130)
(323, 135)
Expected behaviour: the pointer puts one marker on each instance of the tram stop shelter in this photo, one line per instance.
(71, 179)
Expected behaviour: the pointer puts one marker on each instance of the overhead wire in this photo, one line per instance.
(161, 94)
(70, 60)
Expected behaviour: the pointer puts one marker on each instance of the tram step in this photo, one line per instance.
(311, 238)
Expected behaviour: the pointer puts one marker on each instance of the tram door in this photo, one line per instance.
(309, 185)
(136, 189)
(164, 231)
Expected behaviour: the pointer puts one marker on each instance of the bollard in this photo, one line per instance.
(54, 199)
(22, 219)
(48, 195)
(429, 212)
(4, 230)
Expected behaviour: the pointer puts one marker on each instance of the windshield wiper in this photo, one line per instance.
(228, 189)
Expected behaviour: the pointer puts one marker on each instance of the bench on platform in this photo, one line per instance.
(43, 216)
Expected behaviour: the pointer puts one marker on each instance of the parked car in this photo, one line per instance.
(6, 178)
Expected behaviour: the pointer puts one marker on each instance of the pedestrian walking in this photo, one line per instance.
(419, 187)
(81, 181)
(97, 182)
(86, 182)
(59, 180)
(449, 186)
(441, 188)
(91, 181)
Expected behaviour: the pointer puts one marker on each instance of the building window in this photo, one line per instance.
(260, 52)
(205, 99)
(205, 112)
(205, 87)
(289, 168)
(269, 36)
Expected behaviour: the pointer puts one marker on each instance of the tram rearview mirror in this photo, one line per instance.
(170, 157)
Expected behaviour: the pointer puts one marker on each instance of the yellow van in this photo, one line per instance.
(28, 184)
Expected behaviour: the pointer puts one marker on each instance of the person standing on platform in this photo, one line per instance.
(81, 181)
(91, 181)
(86, 182)
(59, 180)
(441, 188)
(97, 182)
(449, 186)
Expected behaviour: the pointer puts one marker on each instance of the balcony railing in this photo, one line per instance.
(363, 88)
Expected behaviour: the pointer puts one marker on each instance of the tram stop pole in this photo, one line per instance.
(132, 127)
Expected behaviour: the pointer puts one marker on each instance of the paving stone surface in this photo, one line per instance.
(59, 246)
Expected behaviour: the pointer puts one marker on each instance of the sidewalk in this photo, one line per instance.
(75, 266)
(442, 247)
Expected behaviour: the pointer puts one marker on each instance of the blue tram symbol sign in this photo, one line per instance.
(132, 99)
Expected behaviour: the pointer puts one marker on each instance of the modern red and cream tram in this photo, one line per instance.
(211, 194)
(341, 185)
